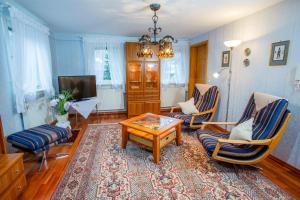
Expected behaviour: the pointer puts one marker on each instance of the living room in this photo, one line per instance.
(142, 99)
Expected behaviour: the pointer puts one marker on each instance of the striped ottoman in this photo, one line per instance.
(40, 138)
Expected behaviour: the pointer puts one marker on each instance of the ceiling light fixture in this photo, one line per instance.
(165, 44)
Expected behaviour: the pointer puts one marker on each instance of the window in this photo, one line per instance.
(105, 60)
(29, 57)
(173, 70)
(103, 65)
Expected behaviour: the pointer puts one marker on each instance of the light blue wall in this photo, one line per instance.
(67, 57)
(258, 31)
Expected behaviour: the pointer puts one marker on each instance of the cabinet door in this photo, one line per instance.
(131, 51)
(152, 107)
(134, 76)
(135, 108)
(151, 76)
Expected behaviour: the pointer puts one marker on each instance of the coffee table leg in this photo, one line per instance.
(178, 135)
(124, 137)
(156, 149)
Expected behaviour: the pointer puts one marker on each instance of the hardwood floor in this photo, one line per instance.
(42, 184)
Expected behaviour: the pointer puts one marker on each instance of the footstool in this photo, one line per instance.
(39, 139)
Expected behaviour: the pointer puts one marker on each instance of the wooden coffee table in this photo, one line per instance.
(151, 131)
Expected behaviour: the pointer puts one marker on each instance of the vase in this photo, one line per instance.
(61, 119)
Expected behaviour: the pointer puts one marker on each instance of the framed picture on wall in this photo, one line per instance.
(225, 58)
(279, 53)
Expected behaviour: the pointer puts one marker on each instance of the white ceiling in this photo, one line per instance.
(181, 18)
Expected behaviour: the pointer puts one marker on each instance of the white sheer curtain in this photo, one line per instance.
(95, 60)
(31, 63)
(174, 71)
(93, 50)
(4, 38)
(117, 66)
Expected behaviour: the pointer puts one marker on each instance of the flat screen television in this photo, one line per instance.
(82, 87)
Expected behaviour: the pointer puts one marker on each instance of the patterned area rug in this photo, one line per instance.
(101, 169)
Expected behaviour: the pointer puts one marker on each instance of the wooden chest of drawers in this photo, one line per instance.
(12, 176)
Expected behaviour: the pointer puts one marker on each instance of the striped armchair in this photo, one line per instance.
(271, 117)
(206, 98)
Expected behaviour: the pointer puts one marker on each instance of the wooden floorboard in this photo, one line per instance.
(41, 185)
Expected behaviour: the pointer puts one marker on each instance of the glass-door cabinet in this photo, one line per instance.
(135, 78)
(151, 75)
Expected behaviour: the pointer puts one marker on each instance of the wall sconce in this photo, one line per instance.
(297, 79)
(246, 61)
(216, 75)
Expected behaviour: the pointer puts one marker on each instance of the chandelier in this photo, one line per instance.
(165, 44)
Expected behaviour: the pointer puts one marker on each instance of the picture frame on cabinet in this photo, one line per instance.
(279, 53)
(225, 58)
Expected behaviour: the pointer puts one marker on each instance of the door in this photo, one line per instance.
(198, 65)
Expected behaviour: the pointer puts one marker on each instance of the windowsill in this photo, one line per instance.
(173, 85)
(109, 86)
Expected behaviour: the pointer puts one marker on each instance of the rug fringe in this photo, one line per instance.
(103, 124)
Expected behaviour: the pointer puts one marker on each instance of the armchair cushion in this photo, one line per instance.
(188, 107)
(243, 131)
(187, 118)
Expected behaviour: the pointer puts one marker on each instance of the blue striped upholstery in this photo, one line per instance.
(249, 110)
(267, 123)
(39, 138)
(196, 95)
(208, 99)
(267, 119)
(206, 102)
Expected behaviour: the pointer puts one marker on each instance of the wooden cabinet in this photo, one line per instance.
(142, 81)
(12, 176)
(152, 107)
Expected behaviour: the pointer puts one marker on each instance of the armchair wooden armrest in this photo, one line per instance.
(220, 123)
(204, 124)
(203, 113)
(249, 142)
(174, 108)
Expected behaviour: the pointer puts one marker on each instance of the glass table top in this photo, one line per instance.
(153, 122)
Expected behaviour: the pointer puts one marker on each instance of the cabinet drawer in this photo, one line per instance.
(135, 97)
(12, 174)
(16, 189)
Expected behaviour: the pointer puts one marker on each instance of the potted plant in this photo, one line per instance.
(61, 104)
